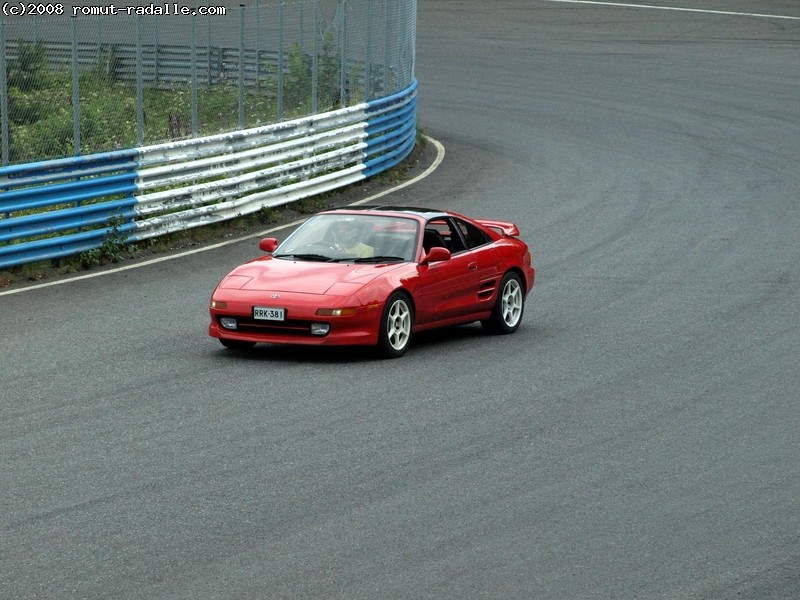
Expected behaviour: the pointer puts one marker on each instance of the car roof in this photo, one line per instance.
(425, 213)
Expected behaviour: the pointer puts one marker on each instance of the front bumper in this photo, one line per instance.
(360, 328)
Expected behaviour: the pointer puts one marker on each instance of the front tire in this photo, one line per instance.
(508, 308)
(396, 324)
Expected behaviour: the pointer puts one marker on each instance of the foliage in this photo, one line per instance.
(297, 82)
(112, 250)
(41, 112)
(108, 65)
(29, 83)
(311, 205)
(329, 74)
(30, 70)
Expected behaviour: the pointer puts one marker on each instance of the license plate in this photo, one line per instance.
(269, 313)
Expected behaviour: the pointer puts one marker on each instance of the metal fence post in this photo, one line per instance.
(413, 24)
(281, 25)
(98, 51)
(315, 60)
(3, 95)
(388, 23)
(258, 46)
(194, 76)
(139, 84)
(241, 66)
(367, 55)
(208, 52)
(155, 52)
(343, 69)
(76, 96)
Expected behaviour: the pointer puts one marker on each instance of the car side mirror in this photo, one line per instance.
(268, 245)
(436, 254)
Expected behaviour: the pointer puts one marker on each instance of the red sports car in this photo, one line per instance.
(375, 275)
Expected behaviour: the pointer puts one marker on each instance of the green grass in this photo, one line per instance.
(109, 120)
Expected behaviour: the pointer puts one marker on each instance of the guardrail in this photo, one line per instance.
(60, 208)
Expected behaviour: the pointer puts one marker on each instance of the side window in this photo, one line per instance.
(440, 232)
(473, 236)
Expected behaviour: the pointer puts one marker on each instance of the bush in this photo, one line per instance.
(30, 71)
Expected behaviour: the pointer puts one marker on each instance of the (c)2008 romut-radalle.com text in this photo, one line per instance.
(41, 9)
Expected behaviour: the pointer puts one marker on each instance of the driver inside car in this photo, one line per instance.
(349, 235)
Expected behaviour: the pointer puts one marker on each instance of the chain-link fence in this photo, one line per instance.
(78, 83)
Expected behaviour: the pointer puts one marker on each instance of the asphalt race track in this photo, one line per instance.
(639, 437)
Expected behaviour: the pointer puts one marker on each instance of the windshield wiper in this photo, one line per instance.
(379, 259)
(312, 257)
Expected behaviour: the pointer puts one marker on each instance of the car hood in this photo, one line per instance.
(306, 277)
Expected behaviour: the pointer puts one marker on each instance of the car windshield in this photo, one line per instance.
(341, 237)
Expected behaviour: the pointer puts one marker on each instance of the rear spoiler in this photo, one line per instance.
(504, 227)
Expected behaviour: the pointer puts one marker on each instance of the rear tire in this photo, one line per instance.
(396, 325)
(508, 308)
(236, 344)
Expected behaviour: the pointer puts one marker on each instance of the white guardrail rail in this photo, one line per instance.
(63, 207)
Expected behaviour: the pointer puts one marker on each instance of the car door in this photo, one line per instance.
(449, 290)
(482, 258)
